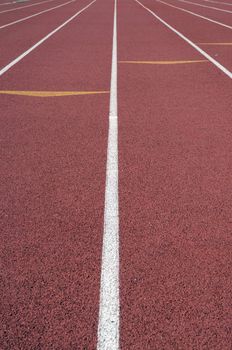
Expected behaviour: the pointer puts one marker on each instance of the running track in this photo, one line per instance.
(115, 191)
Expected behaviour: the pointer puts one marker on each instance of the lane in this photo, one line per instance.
(208, 19)
(219, 4)
(174, 190)
(216, 15)
(12, 20)
(207, 6)
(197, 30)
(30, 32)
(53, 165)
(20, 6)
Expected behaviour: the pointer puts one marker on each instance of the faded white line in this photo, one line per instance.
(23, 7)
(220, 3)
(25, 53)
(209, 7)
(8, 3)
(35, 14)
(210, 58)
(108, 324)
(196, 14)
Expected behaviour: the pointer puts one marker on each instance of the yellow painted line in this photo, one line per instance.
(51, 93)
(164, 62)
(221, 44)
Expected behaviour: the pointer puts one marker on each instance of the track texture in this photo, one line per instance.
(175, 197)
(175, 167)
(53, 155)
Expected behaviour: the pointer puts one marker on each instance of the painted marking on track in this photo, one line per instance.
(209, 7)
(51, 93)
(23, 7)
(25, 53)
(196, 14)
(220, 44)
(182, 36)
(164, 62)
(220, 3)
(108, 324)
(35, 14)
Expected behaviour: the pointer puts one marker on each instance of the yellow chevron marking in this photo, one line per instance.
(52, 93)
(164, 62)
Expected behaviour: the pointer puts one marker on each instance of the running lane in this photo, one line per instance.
(12, 16)
(175, 191)
(198, 30)
(53, 166)
(22, 36)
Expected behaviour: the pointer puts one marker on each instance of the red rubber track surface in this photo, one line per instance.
(208, 4)
(200, 31)
(16, 39)
(9, 17)
(53, 160)
(5, 4)
(223, 17)
(174, 189)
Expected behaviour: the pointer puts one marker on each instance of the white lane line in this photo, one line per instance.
(196, 14)
(25, 53)
(210, 58)
(23, 7)
(209, 7)
(216, 2)
(108, 324)
(35, 14)
(8, 3)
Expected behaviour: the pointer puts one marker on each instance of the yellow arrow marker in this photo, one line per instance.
(221, 44)
(163, 62)
(52, 93)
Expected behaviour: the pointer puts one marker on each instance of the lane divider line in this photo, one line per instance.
(164, 62)
(108, 324)
(51, 93)
(209, 7)
(220, 3)
(218, 44)
(196, 14)
(23, 7)
(25, 53)
(201, 51)
(35, 14)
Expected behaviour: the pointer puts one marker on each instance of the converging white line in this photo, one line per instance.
(108, 324)
(23, 7)
(196, 14)
(35, 14)
(209, 7)
(25, 53)
(220, 3)
(205, 54)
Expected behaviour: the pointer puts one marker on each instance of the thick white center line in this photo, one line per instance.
(35, 14)
(25, 53)
(205, 54)
(196, 14)
(108, 324)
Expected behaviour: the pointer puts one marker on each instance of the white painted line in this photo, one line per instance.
(108, 324)
(220, 3)
(7, 3)
(35, 14)
(23, 7)
(209, 7)
(210, 58)
(25, 53)
(196, 14)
